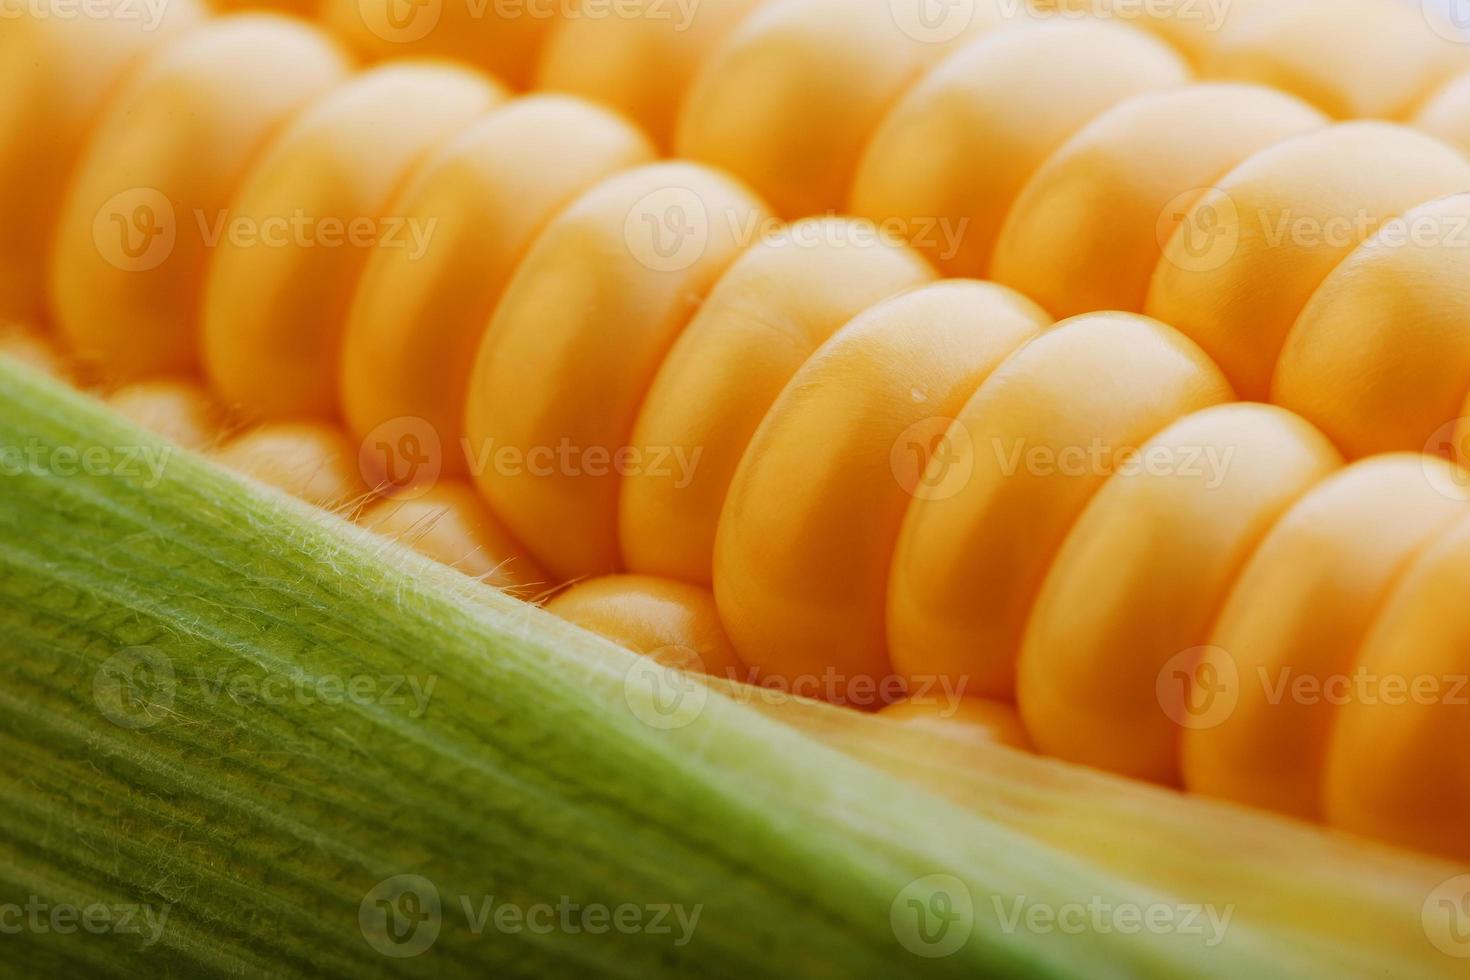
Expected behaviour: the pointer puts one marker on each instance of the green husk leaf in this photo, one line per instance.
(1355, 904)
(180, 735)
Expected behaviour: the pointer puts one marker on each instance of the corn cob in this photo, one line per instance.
(1072, 639)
